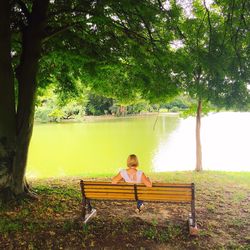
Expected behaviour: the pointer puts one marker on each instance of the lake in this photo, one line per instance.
(162, 143)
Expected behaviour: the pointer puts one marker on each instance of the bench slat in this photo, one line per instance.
(111, 187)
(87, 187)
(169, 199)
(140, 196)
(174, 189)
(149, 198)
(104, 195)
(93, 183)
(144, 192)
(112, 199)
(103, 192)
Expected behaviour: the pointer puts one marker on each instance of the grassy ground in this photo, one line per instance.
(53, 221)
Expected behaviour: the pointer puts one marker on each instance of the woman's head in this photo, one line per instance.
(132, 161)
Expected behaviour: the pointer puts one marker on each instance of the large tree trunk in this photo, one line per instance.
(198, 137)
(7, 102)
(26, 77)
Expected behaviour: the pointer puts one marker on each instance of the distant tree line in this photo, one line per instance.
(51, 108)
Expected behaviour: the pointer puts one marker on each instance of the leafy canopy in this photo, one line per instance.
(144, 49)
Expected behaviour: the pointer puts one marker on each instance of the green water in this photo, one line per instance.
(166, 143)
(97, 147)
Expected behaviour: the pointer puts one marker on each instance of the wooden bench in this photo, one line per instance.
(159, 192)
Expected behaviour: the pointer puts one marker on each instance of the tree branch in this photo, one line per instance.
(148, 30)
(24, 9)
(198, 31)
(58, 31)
(210, 26)
(242, 20)
(126, 30)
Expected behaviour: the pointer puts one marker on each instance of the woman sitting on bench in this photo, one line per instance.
(132, 175)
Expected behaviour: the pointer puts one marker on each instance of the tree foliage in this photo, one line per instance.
(216, 43)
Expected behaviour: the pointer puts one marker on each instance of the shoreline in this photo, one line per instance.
(112, 117)
(90, 118)
(153, 176)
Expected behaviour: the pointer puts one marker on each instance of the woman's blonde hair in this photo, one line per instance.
(132, 161)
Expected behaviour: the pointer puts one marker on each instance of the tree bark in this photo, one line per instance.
(27, 86)
(198, 137)
(7, 101)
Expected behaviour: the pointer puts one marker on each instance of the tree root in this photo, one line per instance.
(8, 197)
(27, 197)
(29, 192)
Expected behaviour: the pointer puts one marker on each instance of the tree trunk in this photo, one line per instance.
(26, 77)
(7, 102)
(198, 138)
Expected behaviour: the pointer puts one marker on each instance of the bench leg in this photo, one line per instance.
(193, 230)
(83, 208)
(89, 207)
(89, 216)
(192, 226)
(88, 211)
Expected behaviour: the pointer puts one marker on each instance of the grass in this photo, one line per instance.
(7, 225)
(53, 221)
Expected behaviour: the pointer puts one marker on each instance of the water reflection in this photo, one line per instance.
(178, 151)
(227, 141)
(95, 148)
(225, 144)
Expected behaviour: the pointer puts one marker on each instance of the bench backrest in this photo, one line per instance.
(162, 192)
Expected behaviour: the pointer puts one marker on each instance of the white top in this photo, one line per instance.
(128, 178)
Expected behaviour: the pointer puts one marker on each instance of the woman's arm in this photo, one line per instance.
(116, 179)
(146, 181)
